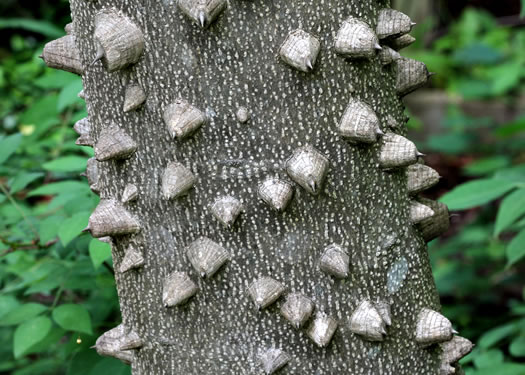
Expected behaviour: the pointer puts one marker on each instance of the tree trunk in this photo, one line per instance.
(260, 220)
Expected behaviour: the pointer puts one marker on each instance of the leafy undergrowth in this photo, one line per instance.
(479, 265)
(57, 289)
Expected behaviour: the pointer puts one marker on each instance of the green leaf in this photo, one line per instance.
(488, 358)
(502, 369)
(99, 252)
(55, 335)
(63, 187)
(522, 13)
(488, 165)
(42, 366)
(511, 174)
(516, 248)
(69, 95)
(493, 336)
(55, 79)
(48, 228)
(29, 334)
(8, 145)
(477, 53)
(517, 347)
(451, 143)
(72, 227)
(42, 27)
(22, 313)
(110, 366)
(23, 179)
(476, 193)
(505, 77)
(41, 111)
(73, 317)
(66, 164)
(511, 209)
(511, 128)
(7, 303)
(83, 362)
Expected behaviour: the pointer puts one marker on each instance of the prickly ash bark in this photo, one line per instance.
(259, 109)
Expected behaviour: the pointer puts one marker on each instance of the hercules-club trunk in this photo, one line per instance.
(257, 188)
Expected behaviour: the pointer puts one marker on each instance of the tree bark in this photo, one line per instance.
(248, 111)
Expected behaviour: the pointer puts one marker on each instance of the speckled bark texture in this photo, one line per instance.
(232, 64)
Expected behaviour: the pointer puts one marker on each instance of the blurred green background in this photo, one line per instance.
(57, 292)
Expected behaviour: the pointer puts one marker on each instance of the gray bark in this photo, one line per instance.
(228, 70)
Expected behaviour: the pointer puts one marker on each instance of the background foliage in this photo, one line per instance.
(478, 265)
(57, 292)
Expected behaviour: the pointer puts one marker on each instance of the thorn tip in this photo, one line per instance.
(309, 65)
(202, 19)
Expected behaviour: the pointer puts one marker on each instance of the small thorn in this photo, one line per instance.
(203, 275)
(93, 347)
(86, 229)
(83, 174)
(202, 19)
(453, 215)
(378, 46)
(99, 56)
(430, 74)
(413, 24)
(312, 185)
(455, 332)
(420, 154)
(309, 65)
(41, 56)
(95, 61)
(380, 132)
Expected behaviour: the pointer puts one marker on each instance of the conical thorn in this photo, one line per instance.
(86, 229)
(202, 19)
(41, 56)
(430, 74)
(97, 58)
(413, 24)
(420, 154)
(455, 332)
(380, 132)
(309, 65)
(378, 46)
(100, 54)
(312, 185)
